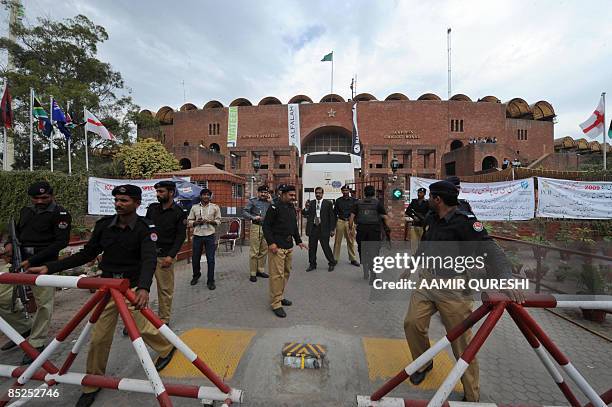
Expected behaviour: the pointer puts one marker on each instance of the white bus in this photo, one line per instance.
(327, 170)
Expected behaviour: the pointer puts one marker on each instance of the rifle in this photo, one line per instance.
(415, 215)
(24, 293)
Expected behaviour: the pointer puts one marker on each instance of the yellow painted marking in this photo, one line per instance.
(220, 349)
(386, 357)
(312, 350)
(321, 348)
(294, 348)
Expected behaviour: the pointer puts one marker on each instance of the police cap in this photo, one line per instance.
(423, 190)
(287, 188)
(169, 185)
(443, 188)
(262, 188)
(456, 181)
(128, 189)
(40, 188)
(345, 187)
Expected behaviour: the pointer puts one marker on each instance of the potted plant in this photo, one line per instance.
(564, 238)
(591, 281)
(585, 242)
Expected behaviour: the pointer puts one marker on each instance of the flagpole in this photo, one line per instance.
(52, 130)
(31, 129)
(605, 146)
(86, 144)
(69, 142)
(5, 151)
(332, 74)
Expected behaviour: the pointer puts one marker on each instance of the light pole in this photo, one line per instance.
(256, 166)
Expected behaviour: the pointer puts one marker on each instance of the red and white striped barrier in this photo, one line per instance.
(397, 402)
(118, 290)
(494, 305)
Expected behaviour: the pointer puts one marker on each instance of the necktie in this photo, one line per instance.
(318, 219)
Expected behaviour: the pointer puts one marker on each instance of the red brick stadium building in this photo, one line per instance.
(428, 136)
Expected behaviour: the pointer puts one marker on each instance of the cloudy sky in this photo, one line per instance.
(559, 51)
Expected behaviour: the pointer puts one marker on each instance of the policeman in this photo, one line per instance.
(256, 211)
(369, 214)
(342, 207)
(43, 230)
(463, 235)
(463, 204)
(128, 243)
(417, 210)
(280, 230)
(170, 222)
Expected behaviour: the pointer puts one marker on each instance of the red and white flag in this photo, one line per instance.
(594, 125)
(95, 126)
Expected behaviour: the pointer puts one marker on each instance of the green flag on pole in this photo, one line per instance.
(328, 57)
(610, 129)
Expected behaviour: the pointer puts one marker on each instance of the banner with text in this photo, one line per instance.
(507, 200)
(100, 200)
(232, 127)
(293, 125)
(559, 198)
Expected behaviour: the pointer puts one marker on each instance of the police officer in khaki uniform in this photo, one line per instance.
(342, 208)
(463, 235)
(417, 210)
(255, 211)
(128, 243)
(43, 229)
(280, 230)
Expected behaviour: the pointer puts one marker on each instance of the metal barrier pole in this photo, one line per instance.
(556, 353)
(544, 358)
(141, 350)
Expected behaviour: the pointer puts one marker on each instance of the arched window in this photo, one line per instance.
(215, 147)
(456, 144)
(489, 162)
(185, 163)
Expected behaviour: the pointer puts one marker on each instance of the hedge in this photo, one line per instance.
(70, 192)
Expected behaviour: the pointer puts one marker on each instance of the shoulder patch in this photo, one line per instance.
(62, 225)
(478, 226)
(154, 236)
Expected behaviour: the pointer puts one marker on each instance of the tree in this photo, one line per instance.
(145, 158)
(59, 58)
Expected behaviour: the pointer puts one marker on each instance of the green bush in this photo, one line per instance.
(70, 192)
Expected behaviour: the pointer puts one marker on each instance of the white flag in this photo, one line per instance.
(594, 125)
(95, 126)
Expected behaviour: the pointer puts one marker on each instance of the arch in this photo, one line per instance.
(300, 99)
(490, 99)
(328, 138)
(568, 142)
(331, 98)
(396, 96)
(489, 162)
(188, 106)
(429, 96)
(215, 147)
(146, 112)
(213, 104)
(165, 115)
(185, 163)
(270, 100)
(364, 97)
(517, 108)
(543, 110)
(455, 144)
(241, 102)
(582, 144)
(594, 145)
(460, 97)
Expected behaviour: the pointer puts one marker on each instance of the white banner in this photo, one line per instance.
(293, 126)
(507, 200)
(100, 200)
(559, 198)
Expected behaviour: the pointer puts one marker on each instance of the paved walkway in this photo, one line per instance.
(234, 331)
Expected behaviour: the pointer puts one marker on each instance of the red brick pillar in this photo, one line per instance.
(395, 208)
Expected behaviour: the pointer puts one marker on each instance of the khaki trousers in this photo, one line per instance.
(279, 264)
(416, 232)
(164, 276)
(343, 231)
(453, 309)
(38, 323)
(102, 339)
(258, 251)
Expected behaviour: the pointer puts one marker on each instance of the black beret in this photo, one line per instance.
(129, 190)
(170, 185)
(443, 188)
(40, 188)
(205, 191)
(287, 188)
(421, 190)
(262, 188)
(454, 180)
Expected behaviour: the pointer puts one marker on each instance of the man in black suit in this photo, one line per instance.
(320, 226)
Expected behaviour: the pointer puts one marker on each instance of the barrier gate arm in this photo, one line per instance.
(119, 291)
(494, 304)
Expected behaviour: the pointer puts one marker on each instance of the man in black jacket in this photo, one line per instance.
(128, 243)
(320, 226)
(417, 210)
